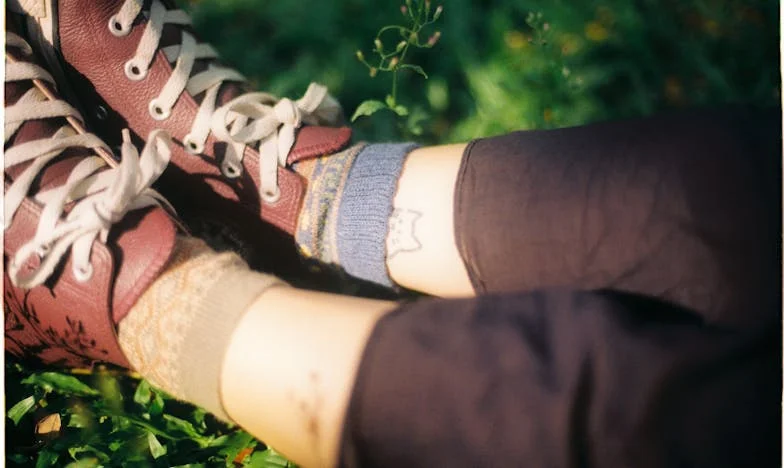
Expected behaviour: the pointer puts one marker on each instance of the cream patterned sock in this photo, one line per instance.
(177, 333)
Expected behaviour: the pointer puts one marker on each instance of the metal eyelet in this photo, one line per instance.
(135, 71)
(116, 28)
(83, 275)
(230, 170)
(101, 113)
(192, 146)
(157, 112)
(271, 198)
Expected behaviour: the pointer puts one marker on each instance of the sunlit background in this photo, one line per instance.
(510, 65)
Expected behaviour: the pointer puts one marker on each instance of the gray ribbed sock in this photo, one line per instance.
(345, 215)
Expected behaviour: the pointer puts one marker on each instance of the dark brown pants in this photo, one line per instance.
(629, 280)
(684, 208)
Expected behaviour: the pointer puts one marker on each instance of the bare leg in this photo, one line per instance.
(292, 386)
(421, 250)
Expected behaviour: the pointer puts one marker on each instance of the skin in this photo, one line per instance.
(297, 401)
(426, 258)
(291, 387)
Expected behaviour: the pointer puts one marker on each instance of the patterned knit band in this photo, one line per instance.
(345, 215)
(176, 335)
(316, 233)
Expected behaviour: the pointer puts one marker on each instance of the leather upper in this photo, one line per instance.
(65, 321)
(95, 58)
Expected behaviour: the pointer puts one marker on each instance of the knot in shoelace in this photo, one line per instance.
(246, 120)
(98, 196)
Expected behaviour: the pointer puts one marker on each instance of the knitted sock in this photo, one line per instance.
(345, 214)
(177, 333)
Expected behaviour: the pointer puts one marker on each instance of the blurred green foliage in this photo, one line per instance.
(504, 65)
(499, 66)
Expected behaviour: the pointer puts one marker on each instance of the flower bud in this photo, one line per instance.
(438, 12)
(360, 56)
(373, 72)
(434, 38)
(379, 45)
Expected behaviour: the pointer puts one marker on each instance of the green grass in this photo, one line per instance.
(499, 66)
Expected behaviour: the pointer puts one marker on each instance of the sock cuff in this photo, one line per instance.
(365, 208)
(316, 233)
(212, 324)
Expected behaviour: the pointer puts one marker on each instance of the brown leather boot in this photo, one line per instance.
(83, 240)
(139, 64)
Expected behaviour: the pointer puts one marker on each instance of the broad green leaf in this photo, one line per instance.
(143, 393)
(157, 404)
(174, 423)
(129, 443)
(109, 388)
(400, 110)
(219, 441)
(46, 458)
(156, 449)
(61, 383)
(20, 409)
(84, 463)
(235, 443)
(100, 456)
(268, 459)
(79, 419)
(128, 420)
(415, 68)
(368, 108)
(198, 417)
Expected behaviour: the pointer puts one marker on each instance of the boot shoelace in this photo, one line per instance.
(245, 120)
(98, 196)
